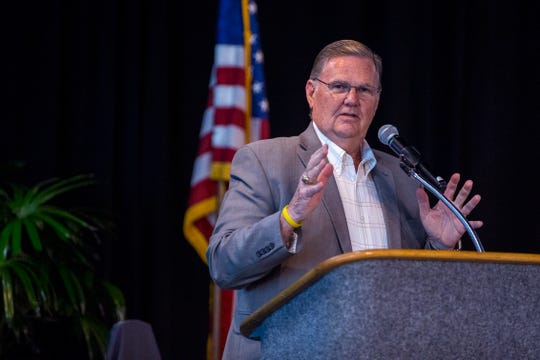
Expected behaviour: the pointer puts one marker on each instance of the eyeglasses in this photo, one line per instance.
(343, 87)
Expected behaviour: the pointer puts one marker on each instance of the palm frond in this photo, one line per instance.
(117, 297)
(7, 295)
(16, 238)
(67, 215)
(29, 276)
(96, 336)
(61, 230)
(74, 289)
(44, 194)
(32, 232)
(5, 236)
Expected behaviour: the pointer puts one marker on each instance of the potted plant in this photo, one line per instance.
(47, 275)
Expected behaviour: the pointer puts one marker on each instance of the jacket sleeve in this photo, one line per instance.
(246, 244)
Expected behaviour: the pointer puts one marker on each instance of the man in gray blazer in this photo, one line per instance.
(294, 202)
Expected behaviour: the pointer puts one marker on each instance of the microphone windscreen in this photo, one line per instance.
(387, 132)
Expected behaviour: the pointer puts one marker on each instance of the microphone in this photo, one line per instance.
(389, 136)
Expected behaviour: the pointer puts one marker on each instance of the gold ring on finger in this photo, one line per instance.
(306, 179)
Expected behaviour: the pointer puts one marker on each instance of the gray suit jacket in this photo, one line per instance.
(246, 251)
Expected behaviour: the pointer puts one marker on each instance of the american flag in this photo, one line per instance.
(236, 114)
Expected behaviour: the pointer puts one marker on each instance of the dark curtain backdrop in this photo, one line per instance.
(118, 89)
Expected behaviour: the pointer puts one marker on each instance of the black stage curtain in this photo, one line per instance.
(118, 89)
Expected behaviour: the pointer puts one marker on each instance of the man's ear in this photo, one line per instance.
(310, 89)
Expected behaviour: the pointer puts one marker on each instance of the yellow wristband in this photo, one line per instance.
(289, 219)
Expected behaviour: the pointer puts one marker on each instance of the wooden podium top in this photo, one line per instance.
(255, 319)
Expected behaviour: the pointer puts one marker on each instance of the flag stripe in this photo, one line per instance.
(229, 55)
(229, 115)
(228, 136)
(230, 76)
(230, 96)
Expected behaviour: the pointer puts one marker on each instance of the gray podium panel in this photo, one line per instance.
(401, 304)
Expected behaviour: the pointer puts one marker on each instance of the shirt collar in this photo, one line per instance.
(339, 158)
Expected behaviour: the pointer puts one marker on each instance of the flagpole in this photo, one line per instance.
(216, 330)
(221, 118)
(216, 321)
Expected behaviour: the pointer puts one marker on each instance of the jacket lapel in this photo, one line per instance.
(384, 182)
(331, 204)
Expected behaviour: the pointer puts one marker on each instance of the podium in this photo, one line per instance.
(406, 304)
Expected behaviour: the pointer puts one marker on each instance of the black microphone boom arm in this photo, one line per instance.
(389, 135)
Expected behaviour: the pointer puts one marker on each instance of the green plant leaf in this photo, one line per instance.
(32, 232)
(16, 237)
(117, 297)
(60, 229)
(73, 288)
(7, 294)
(27, 277)
(61, 186)
(67, 215)
(4, 239)
(95, 333)
(26, 206)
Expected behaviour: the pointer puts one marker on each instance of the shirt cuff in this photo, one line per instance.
(438, 246)
(291, 242)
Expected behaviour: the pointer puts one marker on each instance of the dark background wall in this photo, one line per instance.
(118, 89)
